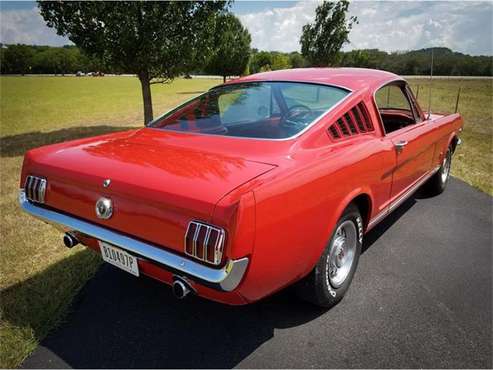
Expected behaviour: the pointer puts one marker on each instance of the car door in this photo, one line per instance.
(409, 133)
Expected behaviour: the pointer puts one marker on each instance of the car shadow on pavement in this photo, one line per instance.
(388, 221)
(16, 145)
(119, 321)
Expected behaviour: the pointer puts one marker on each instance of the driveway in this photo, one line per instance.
(422, 297)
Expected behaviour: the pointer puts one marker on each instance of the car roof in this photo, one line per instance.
(353, 79)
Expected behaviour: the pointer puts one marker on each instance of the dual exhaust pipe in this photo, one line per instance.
(180, 287)
(70, 240)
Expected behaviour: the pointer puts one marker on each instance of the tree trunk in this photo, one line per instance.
(145, 83)
(224, 79)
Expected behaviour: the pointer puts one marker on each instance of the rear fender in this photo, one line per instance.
(238, 218)
(337, 214)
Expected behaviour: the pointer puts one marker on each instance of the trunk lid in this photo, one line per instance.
(156, 187)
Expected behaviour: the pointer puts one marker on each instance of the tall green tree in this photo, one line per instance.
(296, 60)
(17, 59)
(260, 60)
(231, 47)
(155, 40)
(322, 40)
(280, 61)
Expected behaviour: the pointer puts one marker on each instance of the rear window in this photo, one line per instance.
(268, 110)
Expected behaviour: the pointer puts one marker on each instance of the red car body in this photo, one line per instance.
(277, 201)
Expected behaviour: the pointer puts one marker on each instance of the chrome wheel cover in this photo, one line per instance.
(445, 169)
(342, 252)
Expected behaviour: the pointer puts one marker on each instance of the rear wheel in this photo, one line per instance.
(438, 182)
(330, 279)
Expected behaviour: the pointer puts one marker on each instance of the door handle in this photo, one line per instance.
(399, 146)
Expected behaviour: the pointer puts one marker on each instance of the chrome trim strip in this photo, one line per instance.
(218, 248)
(34, 189)
(379, 217)
(40, 191)
(195, 238)
(29, 187)
(225, 279)
(204, 244)
(396, 203)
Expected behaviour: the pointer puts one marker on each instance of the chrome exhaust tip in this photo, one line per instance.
(70, 240)
(180, 288)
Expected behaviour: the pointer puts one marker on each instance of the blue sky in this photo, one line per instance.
(465, 26)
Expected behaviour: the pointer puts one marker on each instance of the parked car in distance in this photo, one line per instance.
(263, 182)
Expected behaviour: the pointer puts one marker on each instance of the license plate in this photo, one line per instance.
(119, 258)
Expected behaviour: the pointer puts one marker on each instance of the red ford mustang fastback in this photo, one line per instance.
(257, 184)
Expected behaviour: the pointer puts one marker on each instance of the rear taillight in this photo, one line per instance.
(204, 242)
(35, 189)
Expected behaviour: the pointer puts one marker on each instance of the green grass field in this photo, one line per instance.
(39, 277)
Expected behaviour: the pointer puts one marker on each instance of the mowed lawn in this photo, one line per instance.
(39, 277)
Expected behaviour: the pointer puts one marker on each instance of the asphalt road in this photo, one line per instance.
(422, 297)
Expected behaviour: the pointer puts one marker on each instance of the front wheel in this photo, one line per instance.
(330, 279)
(438, 182)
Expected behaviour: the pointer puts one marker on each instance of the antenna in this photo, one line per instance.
(431, 81)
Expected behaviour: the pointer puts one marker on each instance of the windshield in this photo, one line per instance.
(268, 110)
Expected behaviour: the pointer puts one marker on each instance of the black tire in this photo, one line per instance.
(318, 287)
(438, 182)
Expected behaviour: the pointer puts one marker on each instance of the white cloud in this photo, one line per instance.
(391, 26)
(26, 26)
(279, 28)
(387, 25)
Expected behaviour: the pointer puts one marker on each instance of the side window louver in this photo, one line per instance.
(342, 127)
(333, 132)
(354, 122)
(350, 124)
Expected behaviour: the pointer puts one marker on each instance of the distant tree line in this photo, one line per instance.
(26, 59)
(417, 62)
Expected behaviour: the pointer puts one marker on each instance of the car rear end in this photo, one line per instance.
(194, 231)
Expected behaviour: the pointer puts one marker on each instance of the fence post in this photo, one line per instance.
(457, 101)
(417, 93)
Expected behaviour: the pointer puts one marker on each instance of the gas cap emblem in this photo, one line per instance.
(104, 208)
(106, 183)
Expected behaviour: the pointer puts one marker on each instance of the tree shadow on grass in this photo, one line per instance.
(34, 306)
(17, 145)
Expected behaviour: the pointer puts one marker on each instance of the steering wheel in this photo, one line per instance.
(295, 111)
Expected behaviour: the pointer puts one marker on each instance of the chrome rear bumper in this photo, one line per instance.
(225, 279)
